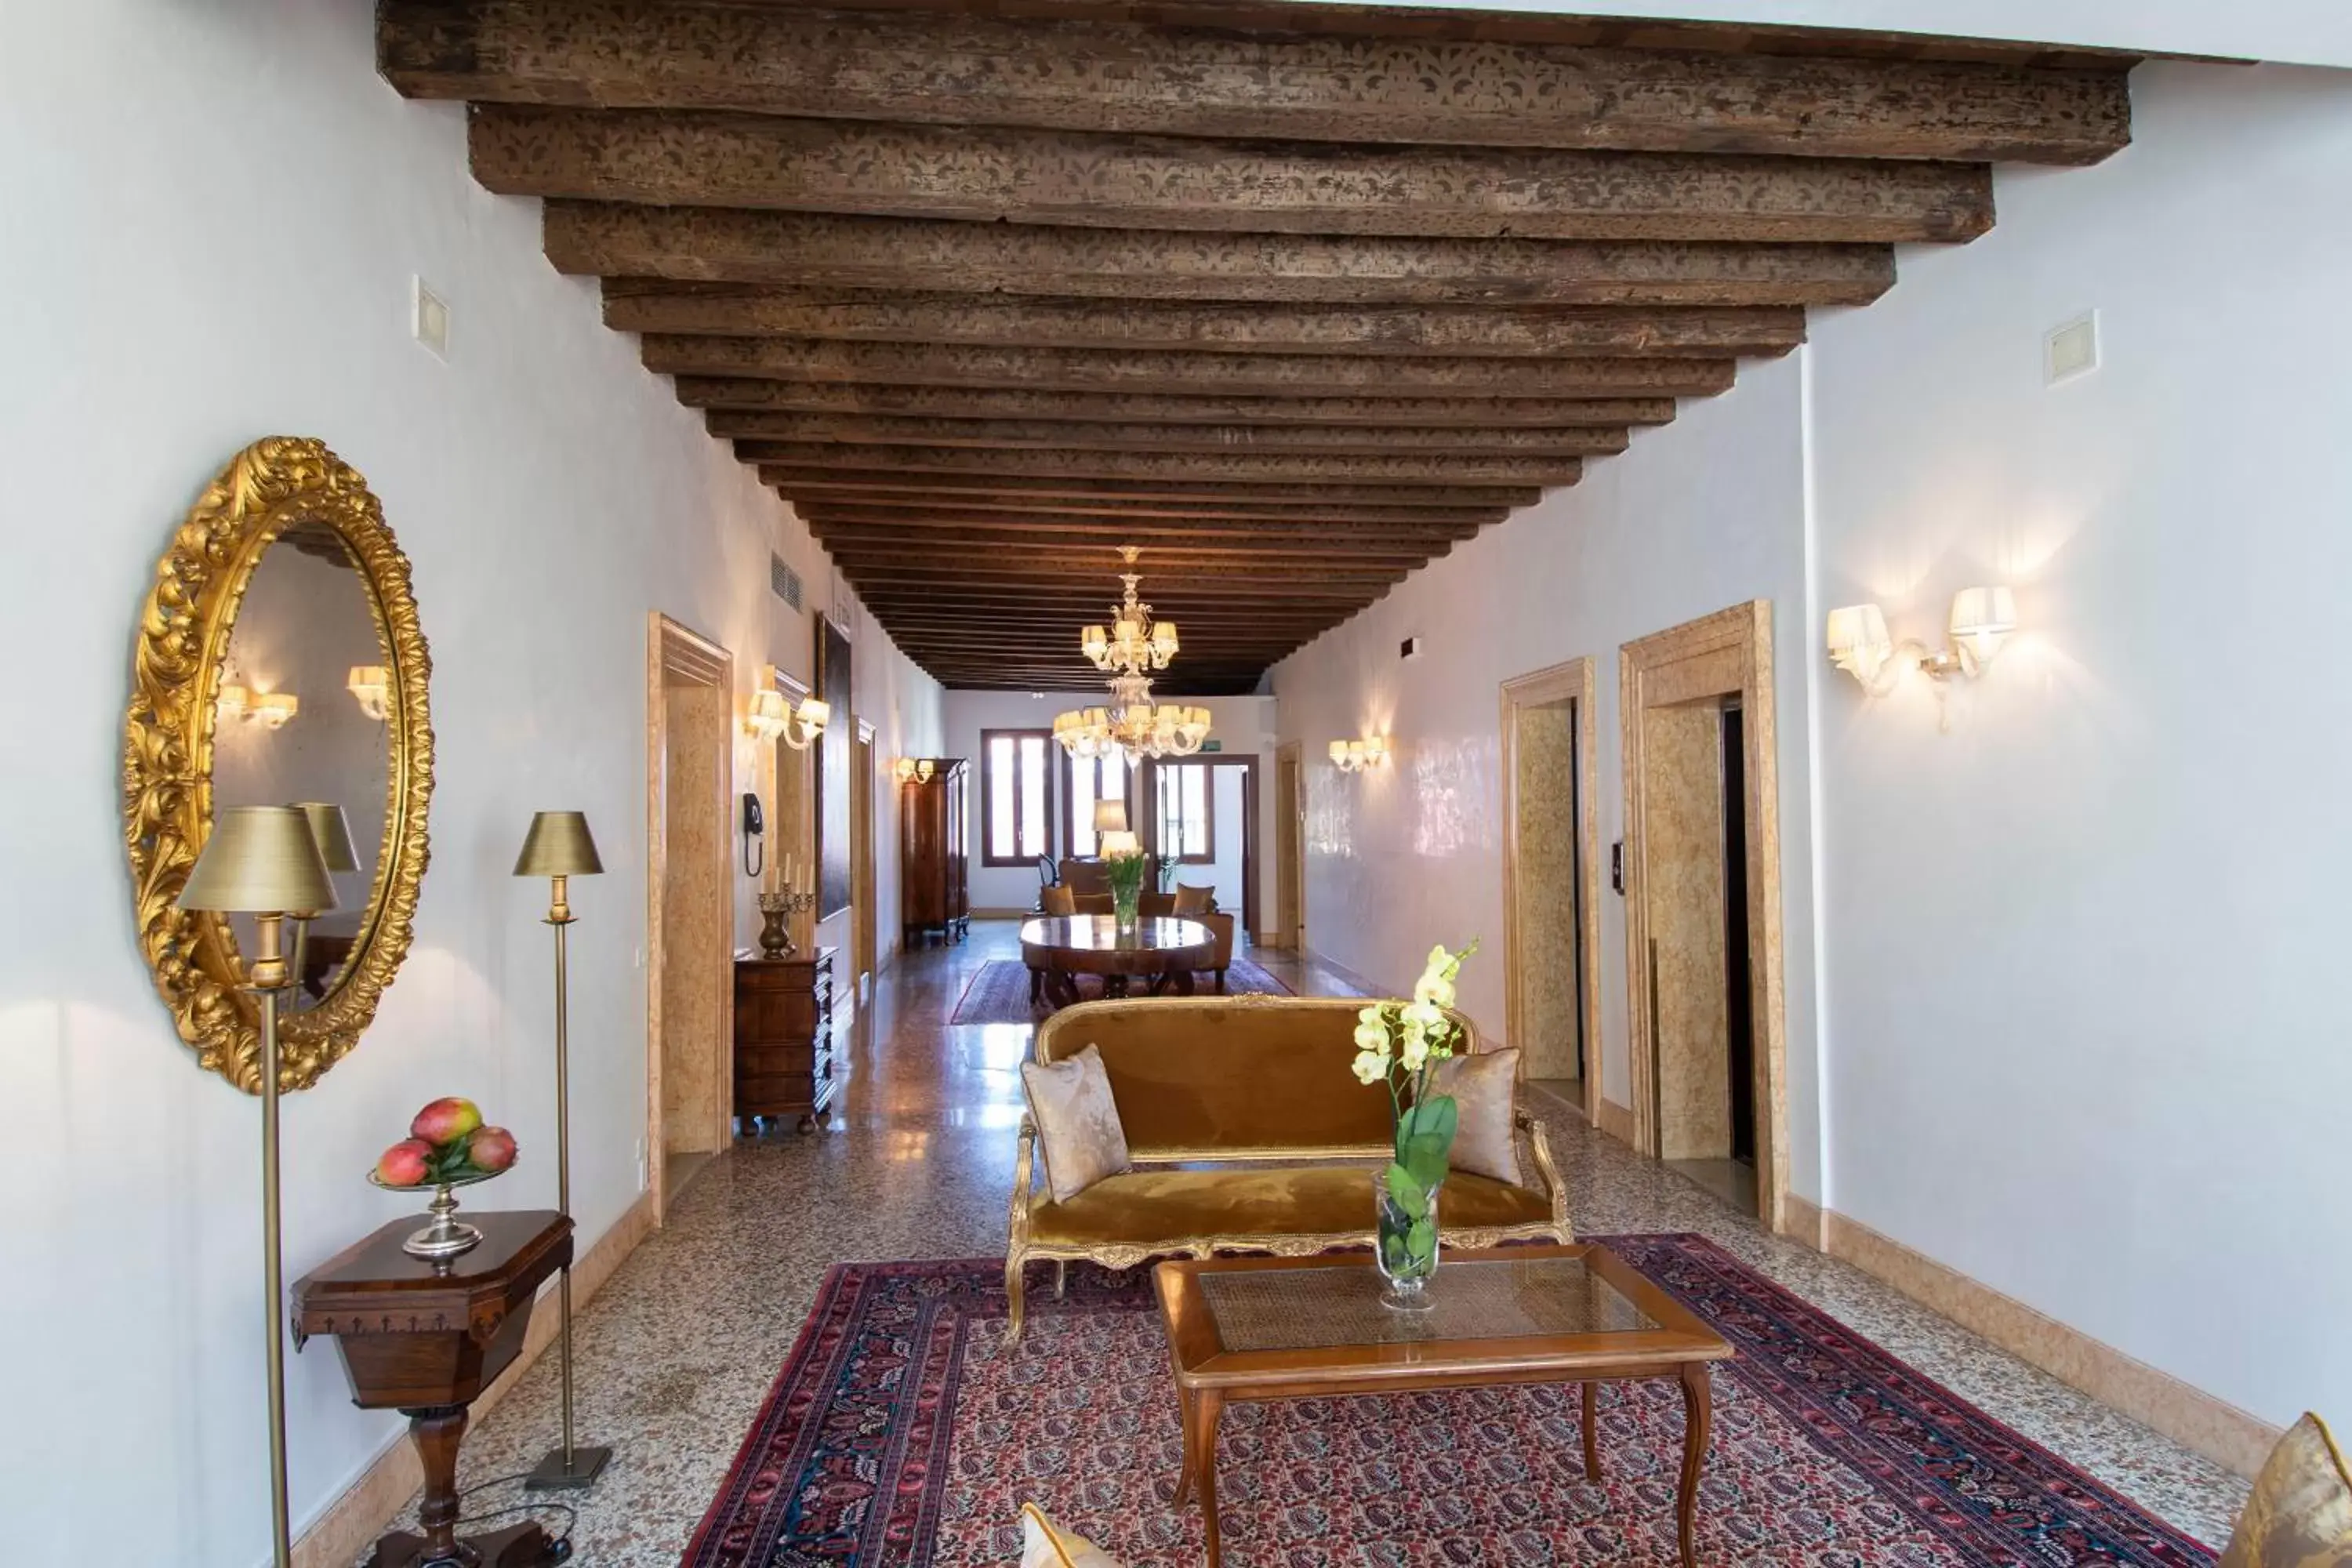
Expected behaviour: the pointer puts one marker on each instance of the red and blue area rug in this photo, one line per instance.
(901, 1432)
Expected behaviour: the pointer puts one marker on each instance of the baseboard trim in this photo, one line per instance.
(1801, 1220)
(351, 1524)
(1617, 1121)
(2188, 1416)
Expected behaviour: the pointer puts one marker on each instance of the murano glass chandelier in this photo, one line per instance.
(1131, 724)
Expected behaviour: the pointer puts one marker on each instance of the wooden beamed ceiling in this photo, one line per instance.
(1292, 298)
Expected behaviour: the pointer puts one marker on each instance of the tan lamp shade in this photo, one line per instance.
(1110, 816)
(333, 831)
(558, 845)
(260, 860)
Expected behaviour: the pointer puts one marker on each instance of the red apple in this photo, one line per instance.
(405, 1164)
(490, 1149)
(445, 1120)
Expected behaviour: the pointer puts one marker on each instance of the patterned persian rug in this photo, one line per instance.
(999, 993)
(901, 1432)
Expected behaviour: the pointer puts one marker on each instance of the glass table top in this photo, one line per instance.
(1324, 1307)
(1100, 934)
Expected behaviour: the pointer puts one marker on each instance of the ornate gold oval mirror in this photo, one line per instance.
(280, 662)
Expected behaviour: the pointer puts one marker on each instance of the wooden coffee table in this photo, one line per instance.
(1165, 951)
(1313, 1328)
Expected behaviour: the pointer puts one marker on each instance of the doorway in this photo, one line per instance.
(1702, 906)
(1290, 851)
(863, 926)
(1203, 813)
(1551, 884)
(689, 924)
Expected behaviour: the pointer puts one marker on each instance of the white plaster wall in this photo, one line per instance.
(212, 216)
(2086, 1026)
(1706, 512)
(2302, 32)
(1244, 725)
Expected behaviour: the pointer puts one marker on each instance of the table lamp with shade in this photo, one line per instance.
(264, 861)
(558, 846)
(333, 833)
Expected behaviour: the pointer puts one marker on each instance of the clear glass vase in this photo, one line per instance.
(1124, 904)
(1408, 1245)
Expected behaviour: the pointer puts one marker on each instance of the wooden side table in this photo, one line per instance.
(426, 1342)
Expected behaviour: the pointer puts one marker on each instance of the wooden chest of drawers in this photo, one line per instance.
(784, 1037)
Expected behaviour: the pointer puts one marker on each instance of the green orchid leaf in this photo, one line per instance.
(1408, 1192)
(1424, 1159)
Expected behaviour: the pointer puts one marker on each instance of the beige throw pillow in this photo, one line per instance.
(1077, 1121)
(1045, 1544)
(1485, 1087)
(1194, 901)
(2300, 1515)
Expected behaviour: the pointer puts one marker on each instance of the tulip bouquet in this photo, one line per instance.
(1401, 1043)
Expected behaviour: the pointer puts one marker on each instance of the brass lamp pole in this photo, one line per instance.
(559, 847)
(264, 861)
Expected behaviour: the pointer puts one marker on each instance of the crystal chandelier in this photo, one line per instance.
(1134, 642)
(1131, 724)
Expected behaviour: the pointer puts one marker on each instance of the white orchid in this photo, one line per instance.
(1371, 1066)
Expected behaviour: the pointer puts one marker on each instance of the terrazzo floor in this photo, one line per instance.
(677, 1349)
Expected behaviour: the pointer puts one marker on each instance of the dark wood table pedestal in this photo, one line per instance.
(426, 1342)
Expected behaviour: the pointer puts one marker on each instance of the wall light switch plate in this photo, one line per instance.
(429, 319)
(2071, 349)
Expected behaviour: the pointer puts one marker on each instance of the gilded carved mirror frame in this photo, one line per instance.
(167, 756)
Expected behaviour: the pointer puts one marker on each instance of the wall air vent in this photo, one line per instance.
(784, 581)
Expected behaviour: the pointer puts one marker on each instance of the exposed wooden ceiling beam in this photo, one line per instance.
(821, 250)
(1016, 433)
(1315, 531)
(1071, 494)
(1080, 525)
(1160, 408)
(687, 158)
(1041, 556)
(1199, 81)
(1616, 330)
(1083, 370)
(1279, 468)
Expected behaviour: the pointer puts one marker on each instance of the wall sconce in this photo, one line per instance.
(909, 769)
(370, 687)
(772, 717)
(1980, 621)
(270, 710)
(1356, 756)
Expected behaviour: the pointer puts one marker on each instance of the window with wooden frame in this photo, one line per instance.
(1016, 796)
(1188, 821)
(1088, 781)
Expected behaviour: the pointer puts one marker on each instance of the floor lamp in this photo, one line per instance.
(559, 847)
(264, 861)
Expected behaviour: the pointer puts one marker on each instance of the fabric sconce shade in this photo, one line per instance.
(1982, 619)
(1858, 641)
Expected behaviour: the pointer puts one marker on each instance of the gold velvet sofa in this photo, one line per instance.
(1246, 1133)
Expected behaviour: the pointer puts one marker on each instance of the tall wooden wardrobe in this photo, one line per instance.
(934, 855)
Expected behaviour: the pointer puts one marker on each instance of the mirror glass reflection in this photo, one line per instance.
(302, 718)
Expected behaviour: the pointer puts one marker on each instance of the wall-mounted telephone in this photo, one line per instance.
(755, 843)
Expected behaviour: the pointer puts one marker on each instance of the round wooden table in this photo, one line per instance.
(1164, 953)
